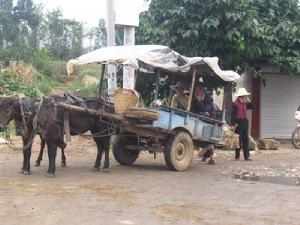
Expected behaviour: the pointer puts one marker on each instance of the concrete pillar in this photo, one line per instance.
(128, 72)
(110, 26)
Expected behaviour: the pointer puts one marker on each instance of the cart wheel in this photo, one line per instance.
(179, 151)
(121, 154)
(296, 138)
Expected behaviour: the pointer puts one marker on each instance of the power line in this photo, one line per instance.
(16, 11)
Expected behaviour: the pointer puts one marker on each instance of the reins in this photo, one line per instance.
(103, 133)
(7, 132)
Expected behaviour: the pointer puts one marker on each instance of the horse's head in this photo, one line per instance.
(48, 104)
(7, 110)
(47, 107)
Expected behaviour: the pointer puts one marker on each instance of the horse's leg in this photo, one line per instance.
(40, 157)
(106, 149)
(26, 155)
(63, 158)
(52, 149)
(99, 155)
(23, 164)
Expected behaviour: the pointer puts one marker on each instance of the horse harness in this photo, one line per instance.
(26, 119)
(26, 112)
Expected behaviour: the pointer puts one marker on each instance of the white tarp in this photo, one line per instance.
(156, 56)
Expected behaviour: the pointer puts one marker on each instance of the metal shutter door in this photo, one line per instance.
(279, 100)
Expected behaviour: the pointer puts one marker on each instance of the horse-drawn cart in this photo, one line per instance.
(159, 127)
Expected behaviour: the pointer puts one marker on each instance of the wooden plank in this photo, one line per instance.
(67, 126)
(144, 132)
(191, 91)
(93, 112)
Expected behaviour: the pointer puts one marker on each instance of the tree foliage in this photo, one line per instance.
(63, 38)
(19, 24)
(18, 77)
(242, 33)
(97, 36)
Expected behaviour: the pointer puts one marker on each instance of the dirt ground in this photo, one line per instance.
(147, 193)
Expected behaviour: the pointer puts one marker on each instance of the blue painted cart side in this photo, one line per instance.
(200, 128)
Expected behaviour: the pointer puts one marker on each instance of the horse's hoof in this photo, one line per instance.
(105, 170)
(26, 172)
(37, 164)
(211, 162)
(63, 164)
(50, 175)
(95, 169)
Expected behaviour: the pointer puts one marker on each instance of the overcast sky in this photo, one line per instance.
(89, 11)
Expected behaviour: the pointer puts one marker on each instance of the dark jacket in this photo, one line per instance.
(204, 107)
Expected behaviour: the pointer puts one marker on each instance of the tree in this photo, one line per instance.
(100, 35)
(98, 38)
(19, 26)
(242, 33)
(63, 38)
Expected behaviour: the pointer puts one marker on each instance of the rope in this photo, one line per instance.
(10, 144)
(99, 134)
(23, 115)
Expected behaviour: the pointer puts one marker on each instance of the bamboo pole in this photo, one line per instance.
(67, 126)
(99, 112)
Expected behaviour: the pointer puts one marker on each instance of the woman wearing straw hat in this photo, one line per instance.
(239, 121)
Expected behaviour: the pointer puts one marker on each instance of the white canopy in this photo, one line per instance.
(156, 56)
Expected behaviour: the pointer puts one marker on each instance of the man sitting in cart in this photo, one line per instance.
(179, 100)
(202, 103)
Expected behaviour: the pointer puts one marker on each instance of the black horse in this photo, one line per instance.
(50, 121)
(21, 109)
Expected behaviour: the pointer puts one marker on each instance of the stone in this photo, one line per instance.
(252, 144)
(2, 141)
(246, 175)
(268, 144)
(231, 139)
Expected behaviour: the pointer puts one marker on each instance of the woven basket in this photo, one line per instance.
(124, 99)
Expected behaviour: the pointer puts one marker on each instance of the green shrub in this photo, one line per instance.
(10, 86)
(59, 68)
(42, 61)
(90, 91)
(92, 70)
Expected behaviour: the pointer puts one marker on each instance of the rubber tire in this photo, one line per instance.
(297, 130)
(179, 138)
(122, 155)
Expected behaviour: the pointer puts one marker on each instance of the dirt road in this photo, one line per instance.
(147, 193)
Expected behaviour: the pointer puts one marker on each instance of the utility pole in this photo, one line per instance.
(127, 15)
(128, 72)
(110, 29)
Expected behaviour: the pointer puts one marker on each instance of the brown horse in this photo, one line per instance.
(50, 119)
(21, 109)
(43, 143)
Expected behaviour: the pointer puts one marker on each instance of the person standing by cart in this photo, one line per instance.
(239, 121)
